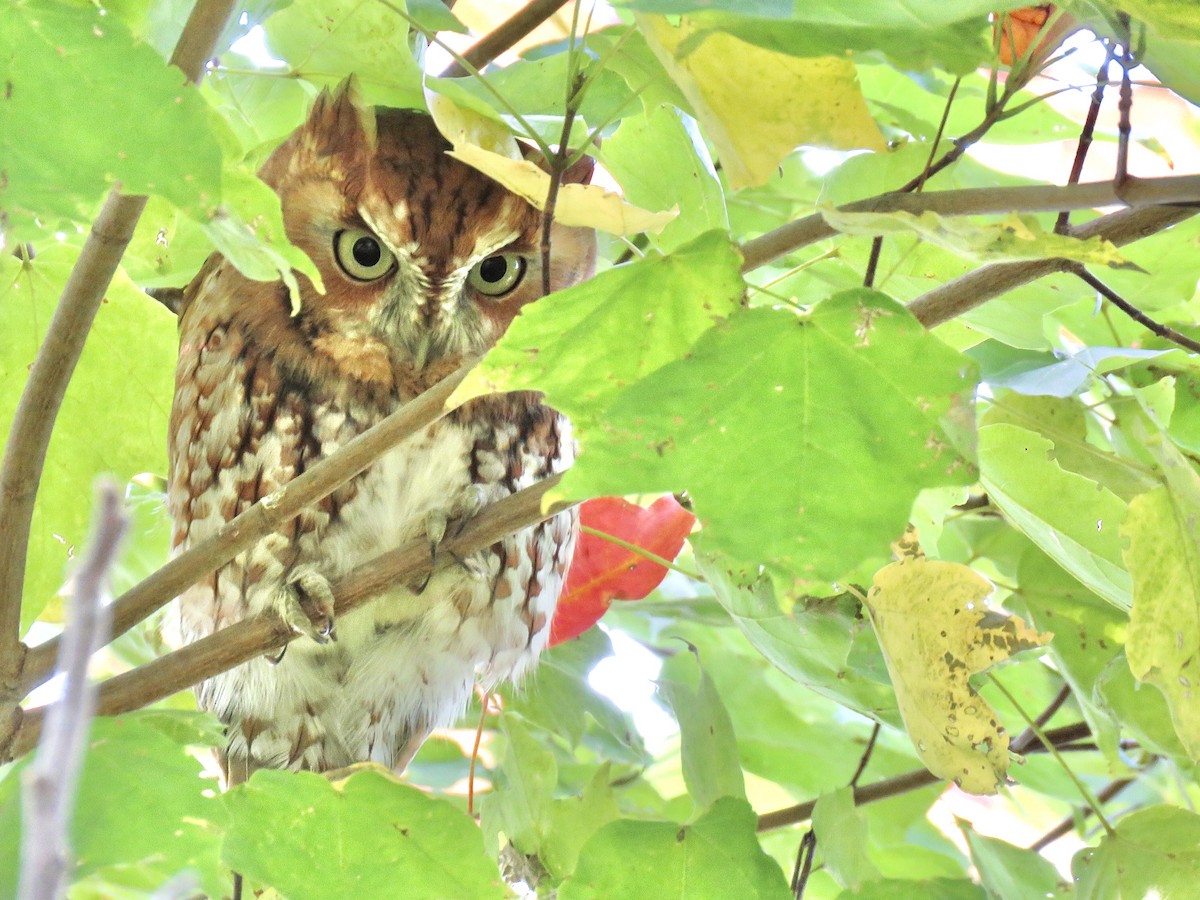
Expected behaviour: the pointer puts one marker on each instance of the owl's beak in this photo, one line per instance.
(420, 350)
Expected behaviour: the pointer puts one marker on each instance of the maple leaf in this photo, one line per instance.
(603, 571)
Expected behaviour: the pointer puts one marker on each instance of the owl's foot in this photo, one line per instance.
(305, 604)
(462, 509)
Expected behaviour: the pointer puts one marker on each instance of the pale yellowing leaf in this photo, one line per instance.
(462, 125)
(1163, 556)
(1014, 238)
(586, 205)
(757, 105)
(936, 631)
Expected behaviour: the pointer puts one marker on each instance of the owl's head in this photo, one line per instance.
(415, 248)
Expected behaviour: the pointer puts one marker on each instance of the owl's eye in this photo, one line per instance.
(361, 255)
(497, 275)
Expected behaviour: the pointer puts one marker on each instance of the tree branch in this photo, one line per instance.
(1135, 193)
(50, 782)
(1067, 825)
(253, 637)
(505, 35)
(965, 293)
(262, 518)
(901, 784)
(25, 453)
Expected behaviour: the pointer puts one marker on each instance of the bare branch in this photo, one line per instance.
(50, 782)
(975, 288)
(25, 454)
(1163, 331)
(263, 517)
(1067, 825)
(1135, 193)
(252, 637)
(902, 784)
(505, 35)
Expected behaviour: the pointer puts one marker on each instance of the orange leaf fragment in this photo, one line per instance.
(1021, 28)
(602, 571)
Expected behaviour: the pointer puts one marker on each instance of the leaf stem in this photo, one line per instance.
(1046, 742)
(640, 551)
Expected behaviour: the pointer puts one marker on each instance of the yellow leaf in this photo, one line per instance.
(1163, 556)
(936, 631)
(587, 205)
(758, 105)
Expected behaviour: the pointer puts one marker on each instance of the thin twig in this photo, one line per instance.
(866, 756)
(1067, 825)
(29, 436)
(969, 291)
(1027, 737)
(505, 35)
(50, 781)
(804, 861)
(245, 640)
(1163, 331)
(1085, 136)
(262, 518)
(1137, 193)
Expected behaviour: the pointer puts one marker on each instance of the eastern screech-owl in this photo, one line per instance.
(425, 262)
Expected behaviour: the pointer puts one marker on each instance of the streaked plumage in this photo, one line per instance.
(262, 394)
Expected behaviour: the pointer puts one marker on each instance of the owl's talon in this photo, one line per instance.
(314, 589)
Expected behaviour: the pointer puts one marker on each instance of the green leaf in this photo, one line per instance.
(140, 804)
(1163, 556)
(711, 768)
(519, 805)
(561, 700)
(325, 40)
(113, 418)
(59, 152)
(367, 836)
(811, 644)
(1064, 422)
(784, 378)
(1070, 517)
(1008, 872)
(575, 819)
(628, 858)
(929, 889)
(1155, 852)
(661, 162)
(842, 838)
(596, 339)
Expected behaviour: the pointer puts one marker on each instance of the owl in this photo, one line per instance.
(425, 262)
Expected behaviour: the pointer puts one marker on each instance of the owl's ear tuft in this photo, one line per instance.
(338, 124)
(579, 172)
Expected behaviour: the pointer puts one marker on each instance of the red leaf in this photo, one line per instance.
(602, 571)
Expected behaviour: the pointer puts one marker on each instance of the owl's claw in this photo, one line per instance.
(306, 605)
(463, 508)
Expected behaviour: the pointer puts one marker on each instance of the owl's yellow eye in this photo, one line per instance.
(361, 255)
(497, 275)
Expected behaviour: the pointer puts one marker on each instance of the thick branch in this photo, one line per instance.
(263, 518)
(250, 638)
(975, 288)
(25, 454)
(49, 784)
(505, 35)
(1135, 193)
